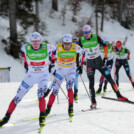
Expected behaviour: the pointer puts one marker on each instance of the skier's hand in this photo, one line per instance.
(79, 70)
(26, 67)
(51, 68)
(105, 61)
(128, 57)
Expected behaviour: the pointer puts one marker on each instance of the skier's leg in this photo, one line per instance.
(100, 85)
(69, 84)
(25, 86)
(90, 74)
(107, 75)
(117, 68)
(59, 79)
(76, 86)
(109, 66)
(127, 69)
(42, 87)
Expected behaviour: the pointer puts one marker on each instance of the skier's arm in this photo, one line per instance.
(103, 43)
(80, 44)
(52, 51)
(24, 59)
(80, 65)
(128, 53)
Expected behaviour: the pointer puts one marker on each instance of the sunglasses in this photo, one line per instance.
(67, 43)
(35, 42)
(87, 32)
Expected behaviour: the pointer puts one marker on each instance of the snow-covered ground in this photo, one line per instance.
(113, 117)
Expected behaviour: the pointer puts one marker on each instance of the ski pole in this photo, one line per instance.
(60, 87)
(58, 99)
(85, 87)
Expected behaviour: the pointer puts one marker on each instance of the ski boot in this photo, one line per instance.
(5, 119)
(93, 106)
(120, 97)
(76, 96)
(46, 93)
(99, 89)
(42, 119)
(47, 111)
(133, 85)
(70, 110)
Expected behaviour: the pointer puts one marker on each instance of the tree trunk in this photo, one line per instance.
(55, 5)
(14, 47)
(120, 10)
(37, 16)
(96, 16)
(102, 16)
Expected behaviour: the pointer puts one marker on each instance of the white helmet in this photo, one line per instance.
(106, 39)
(35, 36)
(67, 38)
(86, 28)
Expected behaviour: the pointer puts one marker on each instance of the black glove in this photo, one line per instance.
(51, 68)
(128, 57)
(79, 70)
(26, 67)
(46, 93)
(105, 61)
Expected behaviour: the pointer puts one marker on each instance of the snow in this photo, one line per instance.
(112, 117)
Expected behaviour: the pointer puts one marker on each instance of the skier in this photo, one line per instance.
(35, 56)
(66, 67)
(122, 57)
(109, 64)
(90, 43)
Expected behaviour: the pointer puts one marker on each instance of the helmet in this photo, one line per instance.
(67, 38)
(75, 40)
(35, 36)
(118, 44)
(86, 28)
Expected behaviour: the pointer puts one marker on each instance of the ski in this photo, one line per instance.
(35, 118)
(114, 99)
(8, 125)
(86, 110)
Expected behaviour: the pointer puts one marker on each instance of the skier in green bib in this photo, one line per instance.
(91, 43)
(122, 57)
(36, 59)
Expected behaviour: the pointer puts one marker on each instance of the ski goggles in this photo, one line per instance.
(66, 43)
(87, 32)
(35, 42)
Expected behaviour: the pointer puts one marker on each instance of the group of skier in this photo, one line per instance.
(39, 60)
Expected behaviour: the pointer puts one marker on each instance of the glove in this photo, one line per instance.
(128, 57)
(26, 67)
(79, 70)
(51, 68)
(46, 93)
(105, 61)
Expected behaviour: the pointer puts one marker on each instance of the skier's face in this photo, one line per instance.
(87, 34)
(36, 44)
(67, 46)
